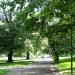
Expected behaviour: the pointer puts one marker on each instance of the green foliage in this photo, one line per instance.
(52, 19)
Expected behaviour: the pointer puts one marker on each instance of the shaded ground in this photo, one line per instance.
(39, 67)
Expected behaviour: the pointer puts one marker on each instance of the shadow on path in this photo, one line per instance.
(37, 68)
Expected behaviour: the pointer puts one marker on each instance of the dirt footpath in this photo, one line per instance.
(37, 68)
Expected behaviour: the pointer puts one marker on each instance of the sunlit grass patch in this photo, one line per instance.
(65, 66)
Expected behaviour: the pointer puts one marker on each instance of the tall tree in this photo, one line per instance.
(11, 38)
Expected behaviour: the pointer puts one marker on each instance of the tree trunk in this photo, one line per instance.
(35, 54)
(10, 60)
(55, 54)
(56, 57)
(66, 53)
(28, 55)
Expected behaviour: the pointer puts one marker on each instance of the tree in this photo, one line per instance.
(54, 17)
(11, 39)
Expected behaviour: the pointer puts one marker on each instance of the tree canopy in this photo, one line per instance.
(34, 21)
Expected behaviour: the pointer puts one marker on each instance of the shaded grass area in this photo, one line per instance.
(15, 64)
(3, 72)
(64, 66)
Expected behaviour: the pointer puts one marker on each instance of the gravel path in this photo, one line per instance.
(37, 68)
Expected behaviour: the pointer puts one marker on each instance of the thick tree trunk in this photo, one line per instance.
(55, 54)
(56, 57)
(28, 55)
(10, 54)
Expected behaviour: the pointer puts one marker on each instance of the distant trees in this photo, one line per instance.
(35, 20)
(52, 21)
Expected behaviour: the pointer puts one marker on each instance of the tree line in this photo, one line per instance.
(26, 23)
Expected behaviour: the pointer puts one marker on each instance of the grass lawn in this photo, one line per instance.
(2, 72)
(64, 66)
(15, 64)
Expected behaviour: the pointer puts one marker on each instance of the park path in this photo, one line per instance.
(37, 68)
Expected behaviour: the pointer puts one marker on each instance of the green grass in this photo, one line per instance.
(3, 72)
(64, 66)
(15, 64)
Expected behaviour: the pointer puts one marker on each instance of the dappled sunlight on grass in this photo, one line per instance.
(5, 67)
(64, 66)
(68, 73)
(14, 64)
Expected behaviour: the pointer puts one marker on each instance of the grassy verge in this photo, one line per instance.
(15, 64)
(3, 72)
(64, 66)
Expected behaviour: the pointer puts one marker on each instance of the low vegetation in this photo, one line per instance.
(16, 63)
(2, 72)
(64, 66)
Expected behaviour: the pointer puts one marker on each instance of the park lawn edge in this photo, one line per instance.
(3, 72)
(13, 65)
(64, 66)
